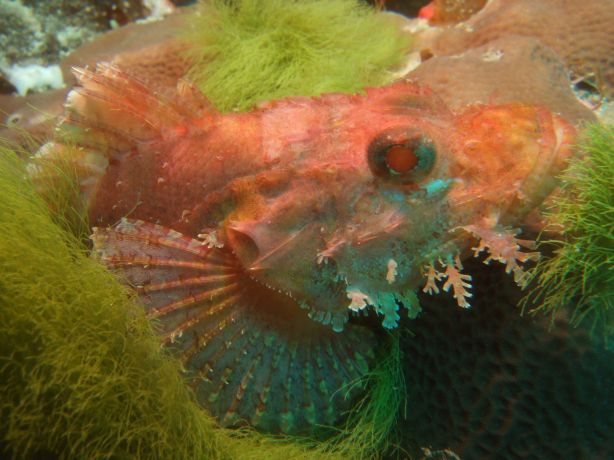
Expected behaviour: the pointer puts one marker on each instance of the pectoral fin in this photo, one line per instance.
(252, 355)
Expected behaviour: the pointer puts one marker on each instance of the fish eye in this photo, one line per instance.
(401, 156)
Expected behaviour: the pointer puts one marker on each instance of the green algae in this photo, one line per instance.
(57, 182)
(581, 272)
(247, 51)
(82, 374)
(369, 430)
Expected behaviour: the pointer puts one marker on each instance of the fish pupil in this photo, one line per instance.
(401, 159)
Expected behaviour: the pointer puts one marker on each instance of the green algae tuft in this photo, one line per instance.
(247, 51)
(580, 272)
(82, 374)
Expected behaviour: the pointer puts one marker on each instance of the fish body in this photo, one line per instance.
(255, 237)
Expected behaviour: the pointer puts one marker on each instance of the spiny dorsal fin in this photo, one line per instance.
(111, 113)
(111, 100)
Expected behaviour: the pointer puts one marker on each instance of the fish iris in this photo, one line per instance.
(401, 156)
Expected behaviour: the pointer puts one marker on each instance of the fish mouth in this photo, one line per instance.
(565, 136)
(558, 137)
(557, 141)
(309, 287)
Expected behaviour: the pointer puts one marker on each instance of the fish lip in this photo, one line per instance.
(558, 146)
(242, 245)
(559, 136)
(558, 139)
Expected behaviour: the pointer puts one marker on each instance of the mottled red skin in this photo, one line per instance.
(290, 190)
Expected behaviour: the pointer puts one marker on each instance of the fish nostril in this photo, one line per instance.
(243, 245)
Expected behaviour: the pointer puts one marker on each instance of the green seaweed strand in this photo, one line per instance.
(580, 275)
(247, 51)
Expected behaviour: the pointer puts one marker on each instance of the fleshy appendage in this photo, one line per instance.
(249, 355)
(457, 281)
(385, 304)
(499, 243)
(502, 245)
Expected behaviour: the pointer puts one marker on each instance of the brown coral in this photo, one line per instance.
(579, 31)
(508, 69)
(149, 51)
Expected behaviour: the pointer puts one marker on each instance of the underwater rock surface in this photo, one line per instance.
(40, 33)
(580, 32)
(491, 384)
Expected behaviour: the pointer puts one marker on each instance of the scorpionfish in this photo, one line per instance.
(258, 241)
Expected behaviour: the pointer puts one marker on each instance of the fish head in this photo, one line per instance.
(373, 190)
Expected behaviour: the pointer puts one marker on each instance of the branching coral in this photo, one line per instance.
(248, 51)
(581, 273)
